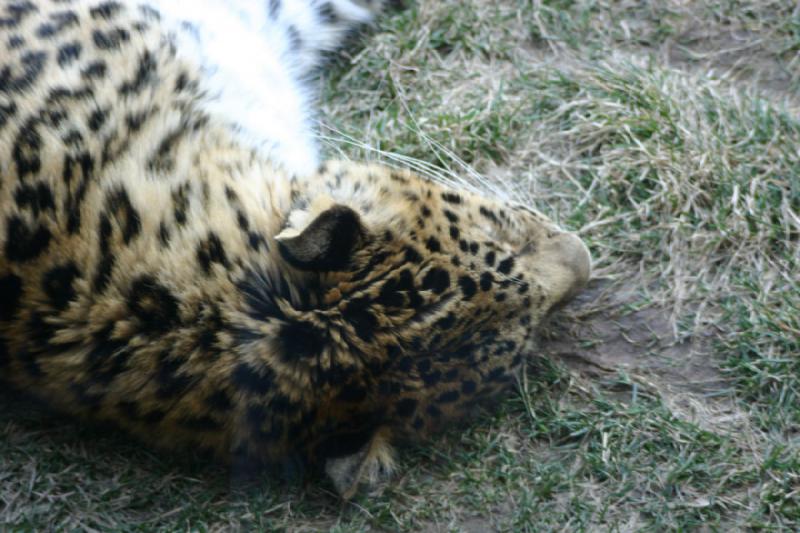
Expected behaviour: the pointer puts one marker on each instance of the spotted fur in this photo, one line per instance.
(160, 273)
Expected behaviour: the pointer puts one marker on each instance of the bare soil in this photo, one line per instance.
(609, 337)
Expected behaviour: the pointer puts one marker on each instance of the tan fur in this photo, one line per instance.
(173, 306)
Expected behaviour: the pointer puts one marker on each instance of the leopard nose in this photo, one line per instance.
(575, 256)
(566, 264)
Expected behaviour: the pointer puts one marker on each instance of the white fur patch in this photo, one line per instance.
(255, 64)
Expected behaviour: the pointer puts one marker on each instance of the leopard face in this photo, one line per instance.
(418, 300)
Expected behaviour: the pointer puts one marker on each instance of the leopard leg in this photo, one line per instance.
(368, 466)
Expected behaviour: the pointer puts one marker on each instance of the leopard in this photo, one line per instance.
(177, 260)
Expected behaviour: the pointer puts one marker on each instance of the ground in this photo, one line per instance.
(666, 397)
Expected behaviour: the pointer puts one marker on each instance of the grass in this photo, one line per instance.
(668, 397)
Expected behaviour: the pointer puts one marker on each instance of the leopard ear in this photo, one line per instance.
(327, 243)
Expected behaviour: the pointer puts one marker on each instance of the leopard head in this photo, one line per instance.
(405, 302)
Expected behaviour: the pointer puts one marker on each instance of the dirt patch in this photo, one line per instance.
(610, 336)
(734, 55)
(604, 337)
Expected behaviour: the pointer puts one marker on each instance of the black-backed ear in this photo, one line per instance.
(327, 243)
